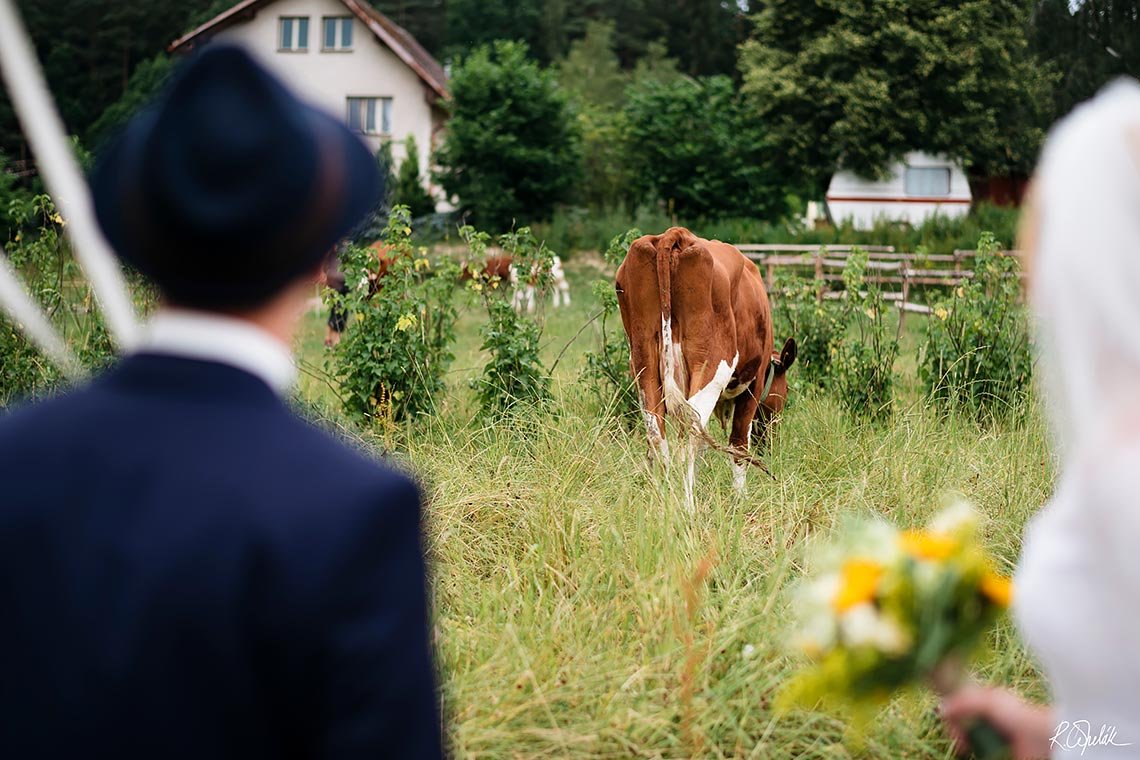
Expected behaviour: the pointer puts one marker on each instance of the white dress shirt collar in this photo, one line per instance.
(226, 340)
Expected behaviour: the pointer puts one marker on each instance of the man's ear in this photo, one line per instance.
(788, 354)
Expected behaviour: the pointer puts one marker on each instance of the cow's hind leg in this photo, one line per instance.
(742, 415)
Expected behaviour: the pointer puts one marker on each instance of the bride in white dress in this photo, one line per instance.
(1077, 589)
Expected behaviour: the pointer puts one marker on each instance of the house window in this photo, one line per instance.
(336, 33)
(927, 181)
(370, 116)
(293, 33)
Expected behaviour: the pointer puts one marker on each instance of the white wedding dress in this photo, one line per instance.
(1077, 589)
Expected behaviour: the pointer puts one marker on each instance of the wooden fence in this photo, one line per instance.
(898, 271)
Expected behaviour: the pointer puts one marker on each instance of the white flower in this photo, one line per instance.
(747, 651)
(862, 625)
(958, 517)
(817, 630)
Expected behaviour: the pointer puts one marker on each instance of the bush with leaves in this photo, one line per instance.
(511, 152)
(397, 343)
(798, 312)
(409, 190)
(607, 368)
(41, 254)
(977, 355)
(863, 359)
(514, 375)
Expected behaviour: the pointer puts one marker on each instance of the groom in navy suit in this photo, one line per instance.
(187, 570)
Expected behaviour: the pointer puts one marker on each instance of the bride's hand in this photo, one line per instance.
(1027, 727)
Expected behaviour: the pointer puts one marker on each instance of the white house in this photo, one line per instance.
(917, 188)
(344, 56)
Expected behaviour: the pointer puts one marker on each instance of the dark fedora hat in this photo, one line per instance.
(229, 187)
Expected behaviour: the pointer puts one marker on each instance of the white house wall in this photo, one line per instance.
(865, 201)
(327, 79)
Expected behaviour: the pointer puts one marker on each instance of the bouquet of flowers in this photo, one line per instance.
(892, 609)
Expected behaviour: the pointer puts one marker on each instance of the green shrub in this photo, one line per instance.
(691, 145)
(397, 343)
(607, 368)
(816, 325)
(409, 189)
(511, 152)
(863, 359)
(40, 253)
(977, 354)
(514, 375)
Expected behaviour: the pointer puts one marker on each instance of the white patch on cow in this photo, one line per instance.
(672, 369)
(739, 467)
(704, 400)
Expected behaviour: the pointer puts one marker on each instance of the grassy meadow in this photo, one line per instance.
(580, 611)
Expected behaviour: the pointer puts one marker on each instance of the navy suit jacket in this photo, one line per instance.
(188, 570)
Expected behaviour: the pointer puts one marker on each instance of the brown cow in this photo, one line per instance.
(700, 334)
(773, 399)
(493, 267)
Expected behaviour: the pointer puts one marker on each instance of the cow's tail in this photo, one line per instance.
(665, 285)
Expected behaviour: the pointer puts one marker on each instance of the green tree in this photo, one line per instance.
(472, 24)
(409, 189)
(591, 72)
(656, 65)
(147, 81)
(89, 51)
(511, 151)
(692, 145)
(857, 84)
(426, 20)
(1089, 46)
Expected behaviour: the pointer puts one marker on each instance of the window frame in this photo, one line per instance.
(297, 25)
(925, 169)
(380, 116)
(338, 46)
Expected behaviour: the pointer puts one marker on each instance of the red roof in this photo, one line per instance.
(394, 36)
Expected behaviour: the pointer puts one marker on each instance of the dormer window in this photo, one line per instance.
(293, 34)
(336, 33)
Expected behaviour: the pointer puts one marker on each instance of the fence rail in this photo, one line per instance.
(885, 266)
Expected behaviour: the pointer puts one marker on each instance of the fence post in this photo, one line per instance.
(819, 275)
(904, 271)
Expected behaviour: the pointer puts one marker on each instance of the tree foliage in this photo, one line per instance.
(1090, 46)
(857, 84)
(409, 190)
(511, 151)
(692, 145)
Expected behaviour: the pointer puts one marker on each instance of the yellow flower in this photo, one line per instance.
(406, 322)
(359, 317)
(923, 544)
(941, 313)
(858, 581)
(960, 292)
(55, 217)
(997, 588)
(422, 263)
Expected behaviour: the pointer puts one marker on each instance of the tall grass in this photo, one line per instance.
(580, 611)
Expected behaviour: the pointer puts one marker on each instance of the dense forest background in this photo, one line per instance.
(718, 108)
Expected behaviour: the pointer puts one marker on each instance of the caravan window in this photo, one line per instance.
(927, 180)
